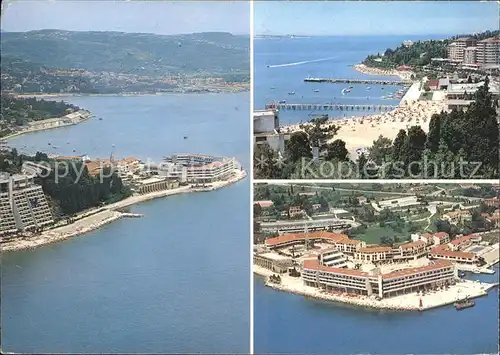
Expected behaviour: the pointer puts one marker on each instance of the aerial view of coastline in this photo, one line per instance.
(100, 120)
(368, 257)
(340, 95)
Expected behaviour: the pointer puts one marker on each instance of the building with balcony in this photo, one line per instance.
(470, 55)
(198, 168)
(436, 273)
(488, 51)
(456, 48)
(23, 205)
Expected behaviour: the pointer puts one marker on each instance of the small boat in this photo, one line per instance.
(346, 90)
(316, 90)
(368, 88)
(185, 137)
(272, 88)
(48, 143)
(291, 93)
(268, 66)
(466, 303)
(100, 118)
(282, 102)
(67, 142)
(74, 150)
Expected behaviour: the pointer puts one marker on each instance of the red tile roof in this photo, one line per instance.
(302, 236)
(434, 265)
(441, 235)
(416, 244)
(453, 254)
(376, 250)
(314, 264)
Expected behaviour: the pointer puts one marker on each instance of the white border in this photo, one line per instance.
(371, 181)
(251, 176)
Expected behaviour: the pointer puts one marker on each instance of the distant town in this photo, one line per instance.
(383, 246)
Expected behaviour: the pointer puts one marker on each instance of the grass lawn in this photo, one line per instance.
(374, 232)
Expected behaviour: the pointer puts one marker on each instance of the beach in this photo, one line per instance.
(407, 302)
(94, 219)
(402, 74)
(361, 131)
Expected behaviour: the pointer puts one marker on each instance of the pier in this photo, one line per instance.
(329, 107)
(356, 81)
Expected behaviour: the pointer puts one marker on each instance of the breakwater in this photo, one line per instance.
(356, 81)
(330, 107)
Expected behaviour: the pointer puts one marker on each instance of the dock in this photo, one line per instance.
(357, 81)
(329, 107)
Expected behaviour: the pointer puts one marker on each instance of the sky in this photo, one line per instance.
(127, 16)
(374, 17)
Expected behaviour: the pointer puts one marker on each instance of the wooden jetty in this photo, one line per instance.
(357, 81)
(329, 107)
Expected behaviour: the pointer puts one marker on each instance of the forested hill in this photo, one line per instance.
(132, 53)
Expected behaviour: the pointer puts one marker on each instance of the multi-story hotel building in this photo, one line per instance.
(438, 272)
(488, 51)
(200, 169)
(298, 226)
(456, 48)
(470, 55)
(23, 205)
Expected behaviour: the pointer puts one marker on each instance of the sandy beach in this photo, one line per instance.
(402, 74)
(408, 302)
(361, 131)
(92, 220)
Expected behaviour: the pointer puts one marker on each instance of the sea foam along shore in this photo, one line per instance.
(408, 302)
(93, 220)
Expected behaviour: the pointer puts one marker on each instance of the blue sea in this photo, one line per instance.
(290, 60)
(291, 324)
(176, 280)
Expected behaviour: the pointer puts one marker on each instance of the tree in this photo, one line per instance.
(413, 148)
(298, 147)
(337, 151)
(432, 142)
(265, 159)
(380, 150)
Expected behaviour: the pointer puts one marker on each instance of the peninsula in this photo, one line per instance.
(330, 253)
(36, 211)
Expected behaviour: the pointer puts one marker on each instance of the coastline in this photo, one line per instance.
(84, 116)
(128, 94)
(93, 220)
(408, 302)
(364, 69)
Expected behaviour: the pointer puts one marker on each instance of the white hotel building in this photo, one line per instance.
(23, 206)
(198, 168)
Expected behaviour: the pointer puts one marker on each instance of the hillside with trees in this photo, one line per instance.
(17, 112)
(132, 53)
(418, 54)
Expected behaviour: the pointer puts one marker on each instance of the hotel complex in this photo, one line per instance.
(468, 50)
(198, 169)
(23, 205)
(334, 262)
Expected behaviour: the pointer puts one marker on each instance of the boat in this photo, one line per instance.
(346, 90)
(100, 118)
(282, 102)
(316, 90)
(272, 88)
(368, 88)
(291, 93)
(185, 137)
(466, 303)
